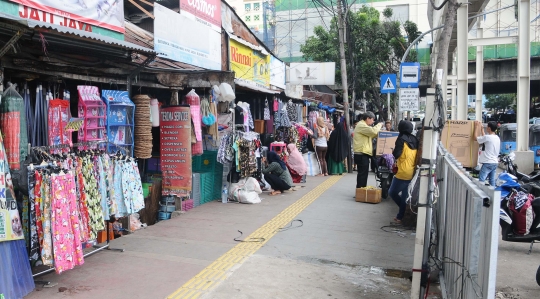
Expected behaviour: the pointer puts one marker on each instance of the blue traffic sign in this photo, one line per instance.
(409, 75)
(388, 83)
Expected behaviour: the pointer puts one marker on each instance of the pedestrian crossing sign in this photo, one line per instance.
(388, 83)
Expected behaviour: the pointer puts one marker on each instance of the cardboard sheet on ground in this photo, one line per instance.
(386, 141)
(458, 138)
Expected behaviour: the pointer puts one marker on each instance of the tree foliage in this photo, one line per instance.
(500, 101)
(376, 44)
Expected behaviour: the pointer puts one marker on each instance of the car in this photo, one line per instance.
(471, 116)
(534, 121)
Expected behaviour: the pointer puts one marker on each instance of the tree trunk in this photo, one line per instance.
(446, 35)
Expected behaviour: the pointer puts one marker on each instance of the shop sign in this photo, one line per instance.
(312, 73)
(175, 128)
(206, 12)
(248, 65)
(26, 12)
(182, 39)
(277, 72)
(108, 14)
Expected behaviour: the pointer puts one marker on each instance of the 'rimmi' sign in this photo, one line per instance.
(237, 57)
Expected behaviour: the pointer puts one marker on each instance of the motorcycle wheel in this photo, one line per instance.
(538, 276)
(385, 185)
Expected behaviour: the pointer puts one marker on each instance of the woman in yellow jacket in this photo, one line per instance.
(405, 155)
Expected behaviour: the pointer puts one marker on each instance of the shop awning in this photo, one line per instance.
(79, 33)
(240, 83)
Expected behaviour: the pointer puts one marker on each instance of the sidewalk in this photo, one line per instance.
(339, 251)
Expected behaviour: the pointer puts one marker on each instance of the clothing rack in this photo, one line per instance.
(107, 222)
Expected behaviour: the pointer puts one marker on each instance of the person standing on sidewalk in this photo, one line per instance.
(490, 147)
(405, 154)
(322, 133)
(364, 132)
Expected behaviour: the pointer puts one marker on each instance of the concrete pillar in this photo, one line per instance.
(524, 72)
(479, 70)
(462, 61)
(524, 157)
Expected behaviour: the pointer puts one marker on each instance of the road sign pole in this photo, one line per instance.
(389, 115)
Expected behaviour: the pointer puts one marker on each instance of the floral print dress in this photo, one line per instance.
(68, 251)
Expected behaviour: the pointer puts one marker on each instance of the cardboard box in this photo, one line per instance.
(458, 138)
(386, 141)
(368, 194)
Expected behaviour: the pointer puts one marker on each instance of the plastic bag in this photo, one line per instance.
(13, 126)
(134, 222)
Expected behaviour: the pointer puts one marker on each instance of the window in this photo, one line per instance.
(247, 7)
(255, 17)
(400, 12)
(248, 18)
(256, 6)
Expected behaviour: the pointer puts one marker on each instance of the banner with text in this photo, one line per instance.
(206, 12)
(102, 13)
(182, 39)
(312, 73)
(175, 128)
(10, 221)
(26, 12)
(249, 65)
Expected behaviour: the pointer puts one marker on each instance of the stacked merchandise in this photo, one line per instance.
(93, 111)
(143, 127)
(71, 197)
(120, 119)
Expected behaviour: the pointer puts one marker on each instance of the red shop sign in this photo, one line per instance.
(175, 128)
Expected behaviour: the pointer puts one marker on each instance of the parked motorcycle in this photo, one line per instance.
(530, 182)
(384, 174)
(510, 189)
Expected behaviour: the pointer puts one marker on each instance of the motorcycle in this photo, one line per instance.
(530, 182)
(384, 174)
(509, 189)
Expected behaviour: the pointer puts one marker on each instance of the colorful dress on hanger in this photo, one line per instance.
(67, 245)
(93, 199)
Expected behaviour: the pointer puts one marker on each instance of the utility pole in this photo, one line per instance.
(343, 64)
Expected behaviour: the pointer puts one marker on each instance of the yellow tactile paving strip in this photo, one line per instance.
(221, 268)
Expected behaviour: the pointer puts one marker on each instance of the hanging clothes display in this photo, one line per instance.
(242, 149)
(73, 196)
(194, 102)
(59, 116)
(13, 124)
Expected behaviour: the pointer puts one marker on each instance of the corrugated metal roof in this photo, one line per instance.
(80, 33)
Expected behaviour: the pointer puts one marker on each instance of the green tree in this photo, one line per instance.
(376, 44)
(500, 101)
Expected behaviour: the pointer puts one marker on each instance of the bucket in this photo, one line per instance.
(146, 189)
(167, 208)
(164, 215)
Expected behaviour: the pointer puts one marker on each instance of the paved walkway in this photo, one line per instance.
(340, 251)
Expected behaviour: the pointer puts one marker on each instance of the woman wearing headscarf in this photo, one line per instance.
(296, 164)
(405, 154)
(339, 147)
(321, 144)
(276, 173)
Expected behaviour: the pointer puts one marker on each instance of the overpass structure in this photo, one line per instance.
(497, 23)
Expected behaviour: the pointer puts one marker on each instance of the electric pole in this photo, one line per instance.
(341, 29)
(343, 68)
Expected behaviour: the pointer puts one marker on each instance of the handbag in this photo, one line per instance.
(394, 168)
(266, 110)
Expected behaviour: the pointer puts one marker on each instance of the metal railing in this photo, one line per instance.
(466, 232)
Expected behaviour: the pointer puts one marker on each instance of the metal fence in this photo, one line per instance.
(466, 231)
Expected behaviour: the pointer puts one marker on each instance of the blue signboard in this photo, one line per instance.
(388, 83)
(409, 75)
